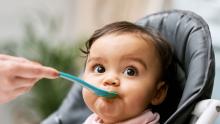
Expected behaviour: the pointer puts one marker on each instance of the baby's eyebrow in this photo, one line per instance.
(95, 59)
(137, 60)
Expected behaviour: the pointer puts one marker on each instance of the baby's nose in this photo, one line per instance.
(111, 82)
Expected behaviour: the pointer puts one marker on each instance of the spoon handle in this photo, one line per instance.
(96, 90)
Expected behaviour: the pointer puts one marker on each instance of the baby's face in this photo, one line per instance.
(127, 65)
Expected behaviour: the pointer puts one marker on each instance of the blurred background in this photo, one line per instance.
(52, 31)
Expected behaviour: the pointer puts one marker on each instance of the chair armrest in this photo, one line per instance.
(206, 111)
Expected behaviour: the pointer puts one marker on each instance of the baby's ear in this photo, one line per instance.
(160, 94)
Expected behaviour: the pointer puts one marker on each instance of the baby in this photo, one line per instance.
(132, 61)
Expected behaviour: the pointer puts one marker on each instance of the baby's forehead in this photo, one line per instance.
(124, 45)
(136, 37)
(138, 34)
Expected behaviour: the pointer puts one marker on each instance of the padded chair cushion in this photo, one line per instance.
(189, 34)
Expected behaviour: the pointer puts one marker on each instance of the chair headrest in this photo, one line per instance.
(189, 35)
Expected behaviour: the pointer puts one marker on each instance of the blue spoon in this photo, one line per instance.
(96, 90)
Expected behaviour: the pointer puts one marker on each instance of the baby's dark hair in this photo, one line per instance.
(147, 34)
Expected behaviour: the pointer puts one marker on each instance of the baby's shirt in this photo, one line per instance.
(147, 117)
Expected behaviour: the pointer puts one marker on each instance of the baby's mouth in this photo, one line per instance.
(110, 90)
(112, 97)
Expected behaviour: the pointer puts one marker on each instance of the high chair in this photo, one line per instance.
(188, 102)
(189, 35)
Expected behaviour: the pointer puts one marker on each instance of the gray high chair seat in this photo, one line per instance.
(189, 34)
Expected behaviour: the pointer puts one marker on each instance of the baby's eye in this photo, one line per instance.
(99, 69)
(130, 71)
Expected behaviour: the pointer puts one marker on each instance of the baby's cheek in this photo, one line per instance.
(89, 98)
(139, 97)
(86, 95)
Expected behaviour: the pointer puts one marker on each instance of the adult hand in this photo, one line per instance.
(18, 75)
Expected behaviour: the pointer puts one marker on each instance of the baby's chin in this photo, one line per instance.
(109, 109)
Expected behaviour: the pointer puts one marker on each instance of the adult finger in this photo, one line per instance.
(6, 57)
(12, 58)
(35, 71)
(17, 59)
(23, 82)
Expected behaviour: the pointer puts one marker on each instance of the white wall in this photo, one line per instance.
(14, 13)
(79, 17)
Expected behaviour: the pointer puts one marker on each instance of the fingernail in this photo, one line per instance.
(55, 74)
